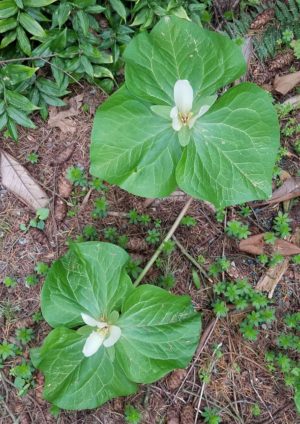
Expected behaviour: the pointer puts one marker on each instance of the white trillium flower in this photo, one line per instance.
(104, 334)
(181, 113)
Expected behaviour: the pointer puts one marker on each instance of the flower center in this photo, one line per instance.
(185, 117)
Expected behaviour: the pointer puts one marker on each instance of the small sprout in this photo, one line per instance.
(201, 260)
(248, 331)
(167, 281)
(157, 223)
(76, 176)
(245, 211)
(270, 238)
(237, 229)
(133, 216)
(133, 268)
(168, 247)
(220, 308)
(220, 215)
(132, 415)
(33, 158)
(232, 292)
(122, 241)
(296, 259)
(196, 279)
(7, 350)
(211, 416)
(276, 259)
(144, 219)
(37, 316)
(31, 280)
(100, 209)
(54, 411)
(188, 221)
(10, 282)
(281, 225)
(89, 232)
(263, 259)
(255, 410)
(111, 233)
(24, 335)
(97, 184)
(41, 268)
(153, 236)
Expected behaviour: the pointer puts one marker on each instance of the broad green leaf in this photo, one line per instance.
(3, 121)
(2, 107)
(50, 88)
(102, 72)
(19, 3)
(31, 25)
(12, 129)
(118, 7)
(51, 100)
(76, 382)
(83, 21)
(7, 24)
(19, 101)
(90, 279)
(13, 74)
(151, 322)
(23, 41)
(231, 155)
(178, 49)
(8, 39)
(87, 66)
(61, 14)
(19, 117)
(159, 331)
(133, 147)
(95, 9)
(38, 3)
(7, 9)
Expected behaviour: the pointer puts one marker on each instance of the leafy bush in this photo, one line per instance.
(165, 127)
(108, 335)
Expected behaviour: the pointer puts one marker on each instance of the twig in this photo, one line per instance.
(23, 59)
(191, 259)
(261, 399)
(13, 418)
(160, 248)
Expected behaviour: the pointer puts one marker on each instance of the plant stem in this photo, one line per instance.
(23, 59)
(160, 248)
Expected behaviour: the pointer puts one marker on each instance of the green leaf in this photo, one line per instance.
(159, 331)
(8, 39)
(151, 319)
(12, 129)
(87, 66)
(67, 293)
(31, 25)
(118, 7)
(178, 49)
(50, 88)
(20, 102)
(3, 121)
(52, 101)
(19, 117)
(79, 382)
(38, 3)
(13, 74)
(62, 13)
(23, 41)
(7, 24)
(7, 9)
(19, 3)
(134, 148)
(231, 155)
(83, 21)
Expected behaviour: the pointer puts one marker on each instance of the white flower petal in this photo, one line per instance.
(89, 320)
(202, 111)
(92, 344)
(183, 96)
(174, 112)
(114, 335)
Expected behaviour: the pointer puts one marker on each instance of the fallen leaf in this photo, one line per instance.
(289, 189)
(60, 210)
(64, 155)
(174, 380)
(269, 281)
(18, 181)
(64, 187)
(255, 245)
(286, 83)
(62, 119)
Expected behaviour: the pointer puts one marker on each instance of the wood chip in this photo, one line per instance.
(255, 245)
(269, 281)
(17, 180)
(284, 84)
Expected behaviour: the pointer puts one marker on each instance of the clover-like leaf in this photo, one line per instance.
(167, 128)
(154, 331)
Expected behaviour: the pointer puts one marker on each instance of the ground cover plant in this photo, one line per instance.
(102, 291)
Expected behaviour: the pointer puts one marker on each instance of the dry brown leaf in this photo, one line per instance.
(64, 187)
(289, 189)
(174, 380)
(18, 180)
(286, 83)
(255, 245)
(269, 281)
(60, 210)
(62, 119)
(64, 155)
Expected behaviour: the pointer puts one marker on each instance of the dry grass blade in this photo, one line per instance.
(269, 281)
(18, 181)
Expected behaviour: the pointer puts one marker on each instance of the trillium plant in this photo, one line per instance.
(108, 335)
(172, 124)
